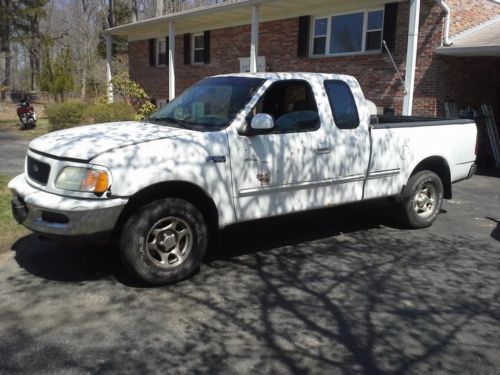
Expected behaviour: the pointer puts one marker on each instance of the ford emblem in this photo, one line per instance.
(35, 168)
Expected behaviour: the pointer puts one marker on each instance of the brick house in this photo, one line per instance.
(451, 54)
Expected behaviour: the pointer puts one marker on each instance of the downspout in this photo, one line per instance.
(447, 22)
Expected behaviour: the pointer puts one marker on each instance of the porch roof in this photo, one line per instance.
(481, 41)
(224, 15)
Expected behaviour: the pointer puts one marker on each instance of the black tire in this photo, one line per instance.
(422, 199)
(163, 222)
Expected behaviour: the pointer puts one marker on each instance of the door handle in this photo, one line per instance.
(322, 148)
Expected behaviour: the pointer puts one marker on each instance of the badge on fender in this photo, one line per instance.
(216, 159)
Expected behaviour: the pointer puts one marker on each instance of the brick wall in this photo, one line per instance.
(436, 78)
(278, 43)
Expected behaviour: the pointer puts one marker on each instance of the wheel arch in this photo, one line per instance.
(172, 189)
(439, 166)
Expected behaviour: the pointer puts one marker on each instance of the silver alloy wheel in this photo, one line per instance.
(425, 200)
(169, 242)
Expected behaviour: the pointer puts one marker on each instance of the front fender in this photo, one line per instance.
(201, 159)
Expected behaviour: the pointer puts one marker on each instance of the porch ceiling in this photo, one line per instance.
(482, 41)
(235, 14)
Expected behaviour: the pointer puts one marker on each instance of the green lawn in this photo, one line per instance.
(9, 229)
(12, 126)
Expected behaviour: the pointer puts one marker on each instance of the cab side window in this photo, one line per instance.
(344, 109)
(292, 106)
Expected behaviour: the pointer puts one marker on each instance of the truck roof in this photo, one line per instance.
(276, 76)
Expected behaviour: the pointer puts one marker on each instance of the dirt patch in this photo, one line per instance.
(12, 127)
(8, 111)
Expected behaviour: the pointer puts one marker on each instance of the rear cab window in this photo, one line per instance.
(344, 109)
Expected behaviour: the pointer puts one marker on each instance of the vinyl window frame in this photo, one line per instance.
(158, 43)
(193, 49)
(329, 17)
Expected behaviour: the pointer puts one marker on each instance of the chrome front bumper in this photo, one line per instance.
(53, 214)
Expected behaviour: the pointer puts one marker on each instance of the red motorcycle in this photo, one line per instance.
(27, 115)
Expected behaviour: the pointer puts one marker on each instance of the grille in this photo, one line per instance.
(38, 171)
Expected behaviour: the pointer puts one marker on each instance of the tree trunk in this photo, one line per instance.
(135, 11)
(6, 81)
(160, 8)
(83, 91)
(32, 69)
(5, 36)
(34, 51)
(111, 20)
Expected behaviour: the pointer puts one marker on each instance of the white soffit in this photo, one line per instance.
(481, 41)
(236, 14)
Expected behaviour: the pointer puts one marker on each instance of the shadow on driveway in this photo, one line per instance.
(496, 232)
(76, 262)
(331, 291)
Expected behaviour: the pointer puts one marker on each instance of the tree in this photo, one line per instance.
(64, 67)
(6, 19)
(19, 26)
(29, 14)
(56, 76)
(121, 14)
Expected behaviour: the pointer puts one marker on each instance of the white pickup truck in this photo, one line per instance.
(234, 148)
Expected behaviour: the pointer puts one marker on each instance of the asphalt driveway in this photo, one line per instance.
(337, 291)
(12, 153)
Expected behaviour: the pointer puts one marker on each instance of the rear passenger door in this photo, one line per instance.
(286, 169)
(349, 139)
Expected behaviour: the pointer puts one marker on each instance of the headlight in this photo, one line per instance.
(83, 179)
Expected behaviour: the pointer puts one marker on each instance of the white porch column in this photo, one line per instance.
(109, 60)
(171, 61)
(411, 56)
(254, 39)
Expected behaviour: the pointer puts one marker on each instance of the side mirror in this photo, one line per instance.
(262, 121)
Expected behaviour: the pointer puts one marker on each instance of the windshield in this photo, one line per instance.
(209, 105)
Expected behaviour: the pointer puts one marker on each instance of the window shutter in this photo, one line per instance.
(187, 49)
(167, 60)
(303, 40)
(390, 22)
(206, 47)
(152, 52)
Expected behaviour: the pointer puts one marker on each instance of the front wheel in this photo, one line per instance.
(164, 242)
(422, 199)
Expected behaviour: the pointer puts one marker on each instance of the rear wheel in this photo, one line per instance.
(164, 242)
(422, 199)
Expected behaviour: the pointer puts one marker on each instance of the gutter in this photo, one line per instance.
(447, 22)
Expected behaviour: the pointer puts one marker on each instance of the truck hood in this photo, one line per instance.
(86, 142)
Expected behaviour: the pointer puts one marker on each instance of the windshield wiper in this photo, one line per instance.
(181, 123)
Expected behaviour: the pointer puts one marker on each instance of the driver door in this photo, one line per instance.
(286, 169)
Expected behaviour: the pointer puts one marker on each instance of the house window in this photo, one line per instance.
(348, 33)
(198, 49)
(161, 52)
(320, 36)
(374, 30)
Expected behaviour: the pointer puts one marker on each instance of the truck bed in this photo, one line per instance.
(400, 143)
(390, 121)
